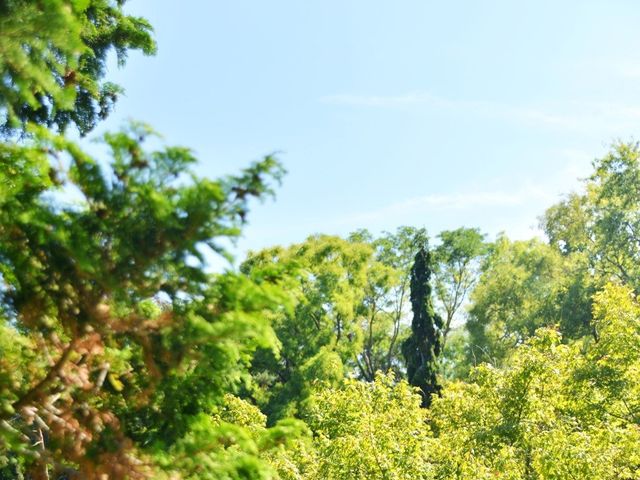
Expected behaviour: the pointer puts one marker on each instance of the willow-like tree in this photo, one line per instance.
(422, 348)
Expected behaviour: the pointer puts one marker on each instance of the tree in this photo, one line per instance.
(525, 285)
(566, 225)
(328, 279)
(423, 346)
(233, 442)
(350, 300)
(115, 340)
(512, 298)
(53, 56)
(615, 212)
(119, 339)
(369, 430)
(555, 410)
(602, 223)
(456, 272)
(385, 303)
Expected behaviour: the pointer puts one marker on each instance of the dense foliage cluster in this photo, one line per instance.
(122, 356)
(53, 56)
(422, 348)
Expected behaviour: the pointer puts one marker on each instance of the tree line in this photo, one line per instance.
(397, 355)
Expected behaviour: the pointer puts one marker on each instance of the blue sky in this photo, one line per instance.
(435, 114)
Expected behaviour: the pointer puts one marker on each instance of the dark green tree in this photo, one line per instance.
(422, 348)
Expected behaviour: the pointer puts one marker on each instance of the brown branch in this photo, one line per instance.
(37, 389)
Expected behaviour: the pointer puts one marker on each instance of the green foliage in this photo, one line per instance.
(454, 360)
(615, 210)
(369, 431)
(329, 279)
(556, 411)
(512, 297)
(567, 225)
(525, 285)
(233, 443)
(121, 356)
(422, 348)
(456, 262)
(53, 56)
(350, 313)
(387, 301)
(120, 340)
(603, 222)
(609, 384)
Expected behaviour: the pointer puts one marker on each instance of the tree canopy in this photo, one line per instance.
(123, 355)
(53, 59)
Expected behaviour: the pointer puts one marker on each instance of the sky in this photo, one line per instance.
(412, 112)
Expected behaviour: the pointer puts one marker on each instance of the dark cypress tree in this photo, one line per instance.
(422, 348)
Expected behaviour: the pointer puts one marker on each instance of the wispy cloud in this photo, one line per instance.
(577, 165)
(512, 205)
(621, 68)
(583, 116)
(414, 98)
(454, 202)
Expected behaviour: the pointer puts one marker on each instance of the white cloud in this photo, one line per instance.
(601, 117)
(624, 69)
(577, 166)
(385, 101)
(454, 202)
(510, 205)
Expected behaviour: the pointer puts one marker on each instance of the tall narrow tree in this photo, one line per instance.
(423, 346)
